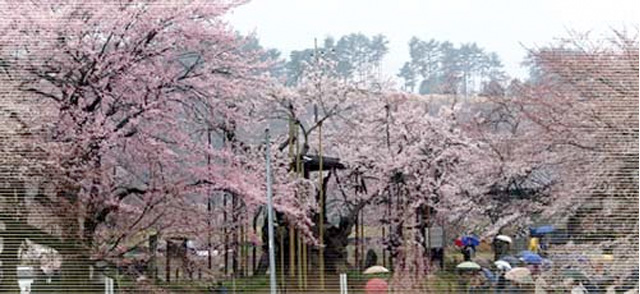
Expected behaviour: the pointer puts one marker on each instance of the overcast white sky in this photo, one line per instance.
(502, 26)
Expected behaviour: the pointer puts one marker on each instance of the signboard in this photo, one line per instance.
(435, 237)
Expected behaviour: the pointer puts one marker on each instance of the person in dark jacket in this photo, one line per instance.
(468, 252)
(500, 248)
(219, 289)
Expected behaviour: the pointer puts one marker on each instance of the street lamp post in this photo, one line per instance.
(272, 258)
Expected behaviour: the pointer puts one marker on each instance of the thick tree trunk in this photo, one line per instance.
(336, 240)
(76, 262)
(335, 253)
(263, 264)
(75, 273)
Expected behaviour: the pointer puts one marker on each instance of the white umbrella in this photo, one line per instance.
(376, 269)
(520, 275)
(504, 238)
(469, 265)
(503, 265)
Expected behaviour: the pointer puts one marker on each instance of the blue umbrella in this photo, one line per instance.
(470, 241)
(532, 258)
(542, 230)
(525, 252)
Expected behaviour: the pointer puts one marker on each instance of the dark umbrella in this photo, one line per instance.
(575, 274)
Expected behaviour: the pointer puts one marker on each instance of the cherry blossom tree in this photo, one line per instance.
(585, 103)
(571, 125)
(410, 162)
(398, 161)
(319, 98)
(121, 100)
(562, 148)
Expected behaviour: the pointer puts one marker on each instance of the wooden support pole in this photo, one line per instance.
(209, 207)
(242, 250)
(298, 235)
(299, 258)
(254, 249)
(167, 267)
(234, 217)
(224, 221)
(304, 264)
(357, 244)
(362, 240)
(281, 231)
(292, 233)
(322, 212)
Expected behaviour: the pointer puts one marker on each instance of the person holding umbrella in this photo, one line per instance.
(534, 244)
(376, 285)
(468, 272)
(501, 244)
(501, 282)
(538, 242)
(476, 283)
(533, 261)
(468, 252)
(521, 280)
(468, 244)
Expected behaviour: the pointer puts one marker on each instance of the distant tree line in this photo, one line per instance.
(356, 57)
(442, 68)
(435, 67)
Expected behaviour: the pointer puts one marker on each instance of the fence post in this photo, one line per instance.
(108, 285)
(343, 284)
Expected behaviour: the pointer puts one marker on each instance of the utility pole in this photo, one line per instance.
(292, 232)
(320, 189)
(292, 153)
(298, 238)
(224, 218)
(272, 258)
(209, 208)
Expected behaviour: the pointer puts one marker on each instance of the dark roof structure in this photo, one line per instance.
(312, 163)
